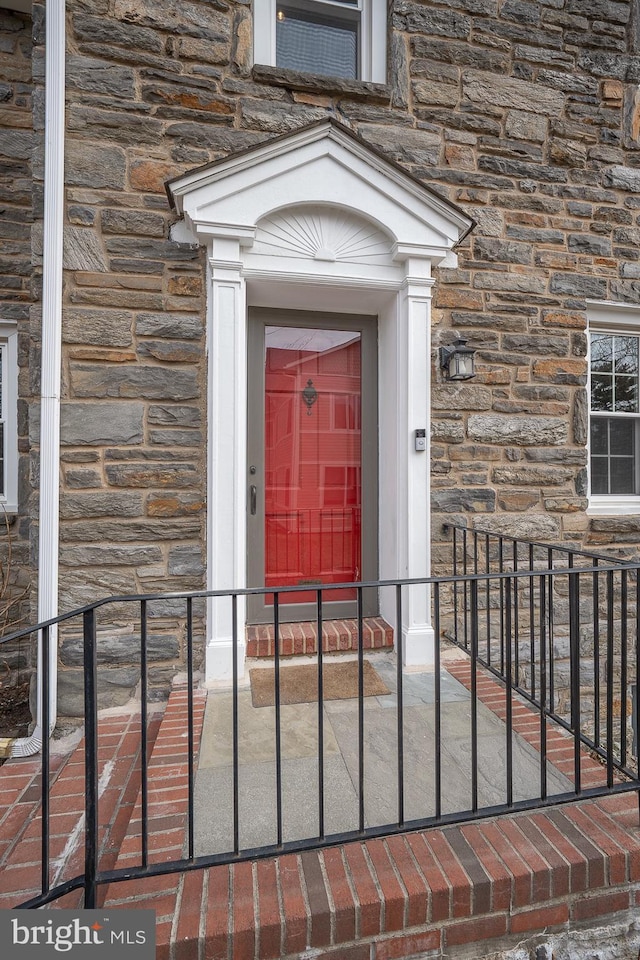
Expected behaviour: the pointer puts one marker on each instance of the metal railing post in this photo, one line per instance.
(474, 695)
(624, 623)
(321, 829)
(400, 703)
(437, 702)
(235, 732)
(543, 687)
(361, 811)
(596, 655)
(46, 764)
(610, 613)
(465, 590)
(144, 773)
(509, 689)
(487, 570)
(278, 716)
(454, 568)
(91, 758)
(532, 632)
(574, 673)
(190, 734)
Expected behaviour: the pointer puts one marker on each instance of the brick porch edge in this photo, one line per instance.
(425, 892)
(405, 896)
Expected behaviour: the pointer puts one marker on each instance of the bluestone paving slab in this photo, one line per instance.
(299, 731)
(256, 731)
(257, 803)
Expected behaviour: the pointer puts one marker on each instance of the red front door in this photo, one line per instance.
(312, 459)
(312, 505)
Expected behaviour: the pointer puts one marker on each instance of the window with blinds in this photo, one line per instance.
(345, 39)
(321, 37)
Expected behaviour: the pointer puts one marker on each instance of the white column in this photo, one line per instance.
(415, 387)
(227, 424)
(49, 514)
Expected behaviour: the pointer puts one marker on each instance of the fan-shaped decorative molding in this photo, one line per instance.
(322, 233)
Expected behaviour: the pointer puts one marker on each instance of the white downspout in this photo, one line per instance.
(51, 360)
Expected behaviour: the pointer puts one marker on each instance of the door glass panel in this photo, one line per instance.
(313, 468)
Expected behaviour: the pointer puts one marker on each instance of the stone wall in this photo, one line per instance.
(541, 146)
(18, 290)
(524, 113)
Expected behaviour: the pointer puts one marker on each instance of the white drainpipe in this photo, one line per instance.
(51, 360)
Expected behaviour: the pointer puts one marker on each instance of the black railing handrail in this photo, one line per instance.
(305, 588)
(562, 548)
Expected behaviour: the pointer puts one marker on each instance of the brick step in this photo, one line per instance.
(301, 638)
(168, 811)
(20, 808)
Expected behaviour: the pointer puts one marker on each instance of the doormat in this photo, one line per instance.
(299, 684)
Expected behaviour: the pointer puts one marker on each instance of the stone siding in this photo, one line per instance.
(524, 113)
(19, 288)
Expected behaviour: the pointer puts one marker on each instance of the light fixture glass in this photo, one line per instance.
(458, 361)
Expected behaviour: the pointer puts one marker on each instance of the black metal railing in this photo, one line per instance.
(379, 772)
(559, 624)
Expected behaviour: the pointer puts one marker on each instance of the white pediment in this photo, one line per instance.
(320, 182)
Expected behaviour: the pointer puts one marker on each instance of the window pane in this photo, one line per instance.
(599, 437)
(622, 437)
(601, 392)
(599, 475)
(626, 354)
(622, 475)
(601, 353)
(613, 456)
(316, 43)
(626, 394)
(615, 388)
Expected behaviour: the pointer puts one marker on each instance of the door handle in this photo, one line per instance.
(253, 499)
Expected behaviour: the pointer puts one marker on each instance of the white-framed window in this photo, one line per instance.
(614, 408)
(8, 417)
(335, 38)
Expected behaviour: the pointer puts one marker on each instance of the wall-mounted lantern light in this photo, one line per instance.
(458, 361)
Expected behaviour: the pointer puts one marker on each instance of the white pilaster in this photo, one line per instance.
(227, 419)
(415, 308)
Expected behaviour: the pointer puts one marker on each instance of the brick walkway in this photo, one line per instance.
(376, 900)
(526, 723)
